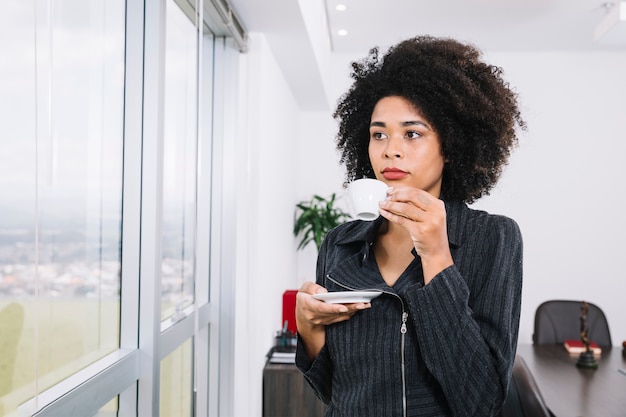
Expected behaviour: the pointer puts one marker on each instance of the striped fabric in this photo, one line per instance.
(462, 327)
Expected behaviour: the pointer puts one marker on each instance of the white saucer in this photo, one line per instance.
(347, 297)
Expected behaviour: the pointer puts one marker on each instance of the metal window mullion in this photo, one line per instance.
(224, 225)
(86, 391)
(203, 216)
(215, 252)
(131, 210)
(151, 207)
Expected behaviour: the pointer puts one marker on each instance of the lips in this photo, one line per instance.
(394, 173)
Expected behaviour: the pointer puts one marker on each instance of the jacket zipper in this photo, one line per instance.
(405, 317)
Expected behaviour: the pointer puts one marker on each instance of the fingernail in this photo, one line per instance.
(343, 309)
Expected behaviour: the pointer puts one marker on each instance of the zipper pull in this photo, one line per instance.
(405, 316)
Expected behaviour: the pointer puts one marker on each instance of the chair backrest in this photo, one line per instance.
(524, 398)
(559, 320)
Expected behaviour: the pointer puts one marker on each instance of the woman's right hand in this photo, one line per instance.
(312, 316)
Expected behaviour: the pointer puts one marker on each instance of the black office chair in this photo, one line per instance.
(559, 320)
(524, 398)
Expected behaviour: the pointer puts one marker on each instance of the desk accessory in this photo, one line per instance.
(576, 347)
(279, 354)
(586, 358)
(289, 311)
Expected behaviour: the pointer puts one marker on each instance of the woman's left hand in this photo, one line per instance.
(424, 218)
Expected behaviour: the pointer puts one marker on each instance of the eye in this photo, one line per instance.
(412, 134)
(377, 135)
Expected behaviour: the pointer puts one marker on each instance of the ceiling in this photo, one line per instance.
(495, 25)
(492, 25)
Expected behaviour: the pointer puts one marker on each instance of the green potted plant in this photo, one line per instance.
(315, 218)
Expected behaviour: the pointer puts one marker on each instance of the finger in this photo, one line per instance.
(343, 315)
(358, 306)
(335, 309)
(401, 211)
(414, 196)
(325, 314)
(318, 307)
(392, 217)
(340, 318)
(309, 287)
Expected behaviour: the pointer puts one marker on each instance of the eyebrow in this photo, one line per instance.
(403, 124)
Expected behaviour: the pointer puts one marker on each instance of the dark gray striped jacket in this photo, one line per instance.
(461, 333)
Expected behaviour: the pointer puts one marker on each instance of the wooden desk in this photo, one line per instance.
(287, 394)
(570, 391)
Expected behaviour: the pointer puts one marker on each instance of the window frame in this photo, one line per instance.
(132, 372)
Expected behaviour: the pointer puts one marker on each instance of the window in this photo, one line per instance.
(111, 245)
(61, 160)
(176, 382)
(180, 152)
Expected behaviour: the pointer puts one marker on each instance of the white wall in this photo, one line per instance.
(564, 184)
(319, 173)
(266, 196)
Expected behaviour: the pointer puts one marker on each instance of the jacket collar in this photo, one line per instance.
(457, 215)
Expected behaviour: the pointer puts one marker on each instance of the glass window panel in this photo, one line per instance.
(177, 382)
(61, 83)
(179, 165)
(109, 409)
(17, 169)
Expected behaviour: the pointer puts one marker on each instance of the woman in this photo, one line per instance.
(436, 125)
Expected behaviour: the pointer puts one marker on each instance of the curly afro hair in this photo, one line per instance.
(469, 105)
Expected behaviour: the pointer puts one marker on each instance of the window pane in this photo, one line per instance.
(177, 382)
(179, 165)
(109, 409)
(61, 83)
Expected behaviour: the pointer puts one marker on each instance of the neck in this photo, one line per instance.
(395, 233)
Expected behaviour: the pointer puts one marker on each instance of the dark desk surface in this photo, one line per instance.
(286, 393)
(570, 391)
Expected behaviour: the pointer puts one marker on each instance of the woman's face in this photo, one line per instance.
(403, 147)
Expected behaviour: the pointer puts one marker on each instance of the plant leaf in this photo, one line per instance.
(313, 219)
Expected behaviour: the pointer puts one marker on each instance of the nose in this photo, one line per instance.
(394, 148)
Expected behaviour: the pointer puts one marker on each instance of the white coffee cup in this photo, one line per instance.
(364, 197)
